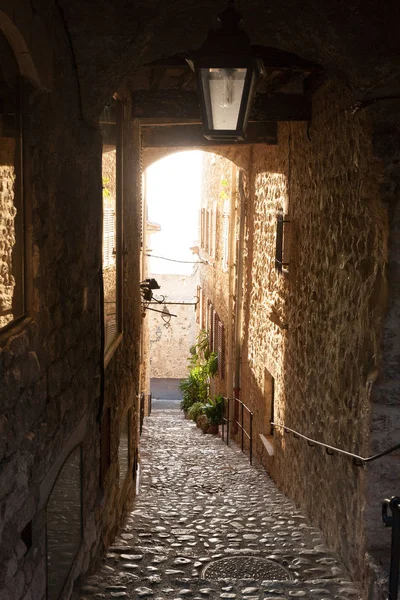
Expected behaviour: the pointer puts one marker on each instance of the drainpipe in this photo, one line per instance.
(231, 272)
(239, 289)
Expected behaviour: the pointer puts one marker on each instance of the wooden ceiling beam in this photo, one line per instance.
(191, 136)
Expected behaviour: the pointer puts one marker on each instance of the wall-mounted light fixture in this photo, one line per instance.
(146, 288)
(227, 73)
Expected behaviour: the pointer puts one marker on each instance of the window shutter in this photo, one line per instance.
(221, 350)
(213, 230)
(202, 227)
(225, 241)
(203, 310)
(210, 325)
(198, 305)
(215, 333)
(207, 232)
(108, 237)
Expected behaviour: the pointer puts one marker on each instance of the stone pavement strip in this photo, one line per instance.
(207, 525)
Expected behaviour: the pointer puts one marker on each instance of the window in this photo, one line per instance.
(12, 302)
(208, 230)
(111, 128)
(282, 243)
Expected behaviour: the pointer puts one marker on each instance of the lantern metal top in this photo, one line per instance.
(225, 43)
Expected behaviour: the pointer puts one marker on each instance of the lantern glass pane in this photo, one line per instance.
(226, 93)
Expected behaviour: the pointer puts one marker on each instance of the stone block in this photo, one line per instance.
(55, 378)
(19, 344)
(30, 369)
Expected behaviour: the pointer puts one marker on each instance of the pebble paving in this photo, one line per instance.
(207, 525)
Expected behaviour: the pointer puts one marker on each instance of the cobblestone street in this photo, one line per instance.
(206, 524)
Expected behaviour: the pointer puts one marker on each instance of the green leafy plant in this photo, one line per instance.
(196, 410)
(203, 365)
(214, 410)
(106, 191)
(194, 388)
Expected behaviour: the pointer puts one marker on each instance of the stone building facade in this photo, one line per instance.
(320, 334)
(308, 318)
(169, 342)
(68, 411)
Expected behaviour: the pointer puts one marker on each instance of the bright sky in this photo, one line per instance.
(173, 200)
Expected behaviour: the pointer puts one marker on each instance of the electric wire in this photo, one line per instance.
(188, 262)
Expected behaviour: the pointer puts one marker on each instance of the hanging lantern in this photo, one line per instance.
(227, 73)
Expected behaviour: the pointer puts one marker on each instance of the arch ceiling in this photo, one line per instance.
(356, 39)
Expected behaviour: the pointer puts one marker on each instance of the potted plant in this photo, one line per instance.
(203, 423)
(195, 410)
(214, 413)
(203, 365)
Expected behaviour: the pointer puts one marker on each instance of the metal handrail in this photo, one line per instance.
(358, 460)
(226, 421)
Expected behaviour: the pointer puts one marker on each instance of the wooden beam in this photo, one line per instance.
(168, 104)
(165, 104)
(189, 136)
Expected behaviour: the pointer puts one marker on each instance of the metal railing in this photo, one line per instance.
(239, 420)
(359, 461)
(149, 403)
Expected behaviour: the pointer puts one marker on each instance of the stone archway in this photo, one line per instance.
(21, 51)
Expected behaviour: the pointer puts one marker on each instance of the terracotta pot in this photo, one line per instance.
(213, 429)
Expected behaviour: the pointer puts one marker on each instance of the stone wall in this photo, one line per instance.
(169, 345)
(52, 388)
(316, 329)
(217, 189)
(384, 382)
(7, 216)
(312, 333)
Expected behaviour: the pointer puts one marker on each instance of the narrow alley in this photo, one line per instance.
(201, 506)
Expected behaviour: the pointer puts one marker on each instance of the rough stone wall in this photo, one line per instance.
(317, 330)
(51, 362)
(122, 371)
(169, 346)
(7, 241)
(214, 279)
(383, 475)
